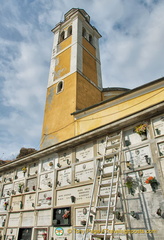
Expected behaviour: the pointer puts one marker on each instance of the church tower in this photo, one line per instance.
(75, 76)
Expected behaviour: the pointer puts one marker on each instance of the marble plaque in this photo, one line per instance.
(82, 195)
(11, 231)
(14, 219)
(44, 218)
(79, 233)
(20, 174)
(28, 219)
(84, 152)
(158, 126)
(139, 157)
(33, 169)
(64, 177)
(7, 189)
(131, 137)
(82, 215)
(161, 149)
(84, 171)
(65, 158)
(19, 187)
(31, 184)
(61, 233)
(16, 203)
(29, 201)
(9, 176)
(2, 220)
(44, 199)
(46, 181)
(49, 162)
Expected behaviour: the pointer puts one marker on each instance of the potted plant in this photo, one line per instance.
(153, 183)
(50, 164)
(66, 216)
(141, 130)
(130, 184)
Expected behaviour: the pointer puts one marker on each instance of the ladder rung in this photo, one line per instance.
(106, 195)
(109, 174)
(101, 235)
(99, 208)
(114, 137)
(107, 184)
(103, 220)
(115, 145)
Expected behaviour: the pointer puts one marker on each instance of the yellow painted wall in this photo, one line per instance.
(58, 111)
(118, 111)
(87, 94)
(62, 64)
(89, 67)
(89, 47)
(65, 43)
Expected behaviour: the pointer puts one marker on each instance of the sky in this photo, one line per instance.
(131, 50)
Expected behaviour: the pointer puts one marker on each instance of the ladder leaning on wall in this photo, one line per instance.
(108, 172)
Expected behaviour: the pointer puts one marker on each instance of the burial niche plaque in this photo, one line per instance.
(84, 152)
(44, 218)
(62, 216)
(64, 177)
(84, 172)
(46, 181)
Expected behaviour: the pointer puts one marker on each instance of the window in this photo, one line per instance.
(60, 87)
(62, 36)
(84, 34)
(70, 31)
(90, 38)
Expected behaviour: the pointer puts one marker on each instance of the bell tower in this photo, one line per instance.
(74, 81)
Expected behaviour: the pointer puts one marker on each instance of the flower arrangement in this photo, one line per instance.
(153, 182)
(24, 169)
(44, 235)
(50, 164)
(66, 214)
(141, 129)
(49, 198)
(5, 205)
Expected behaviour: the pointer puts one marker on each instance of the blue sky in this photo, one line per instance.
(131, 51)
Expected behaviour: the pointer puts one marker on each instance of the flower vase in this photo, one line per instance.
(143, 136)
(154, 186)
(131, 191)
(66, 221)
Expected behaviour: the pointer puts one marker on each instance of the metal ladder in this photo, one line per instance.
(108, 170)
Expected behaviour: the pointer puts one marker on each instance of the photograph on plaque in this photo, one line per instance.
(46, 181)
(16, 203)
(25, 233)
(29, 201)
(65, 158)
(14, 219)
(62, 216)
(33, 169)
(44, 218)
(138, 157)
(31, 185)
(161, 149)
(84, 152)
(158, 126)
(7, 190)
(44, 199)
(64, 177)
(49, 163)
(84, 171)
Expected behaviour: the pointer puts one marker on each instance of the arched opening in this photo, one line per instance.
(84, 33)
(70, 31)
(60, 87)
(62, 36)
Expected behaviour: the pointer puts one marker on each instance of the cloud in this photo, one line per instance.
(131, 51)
